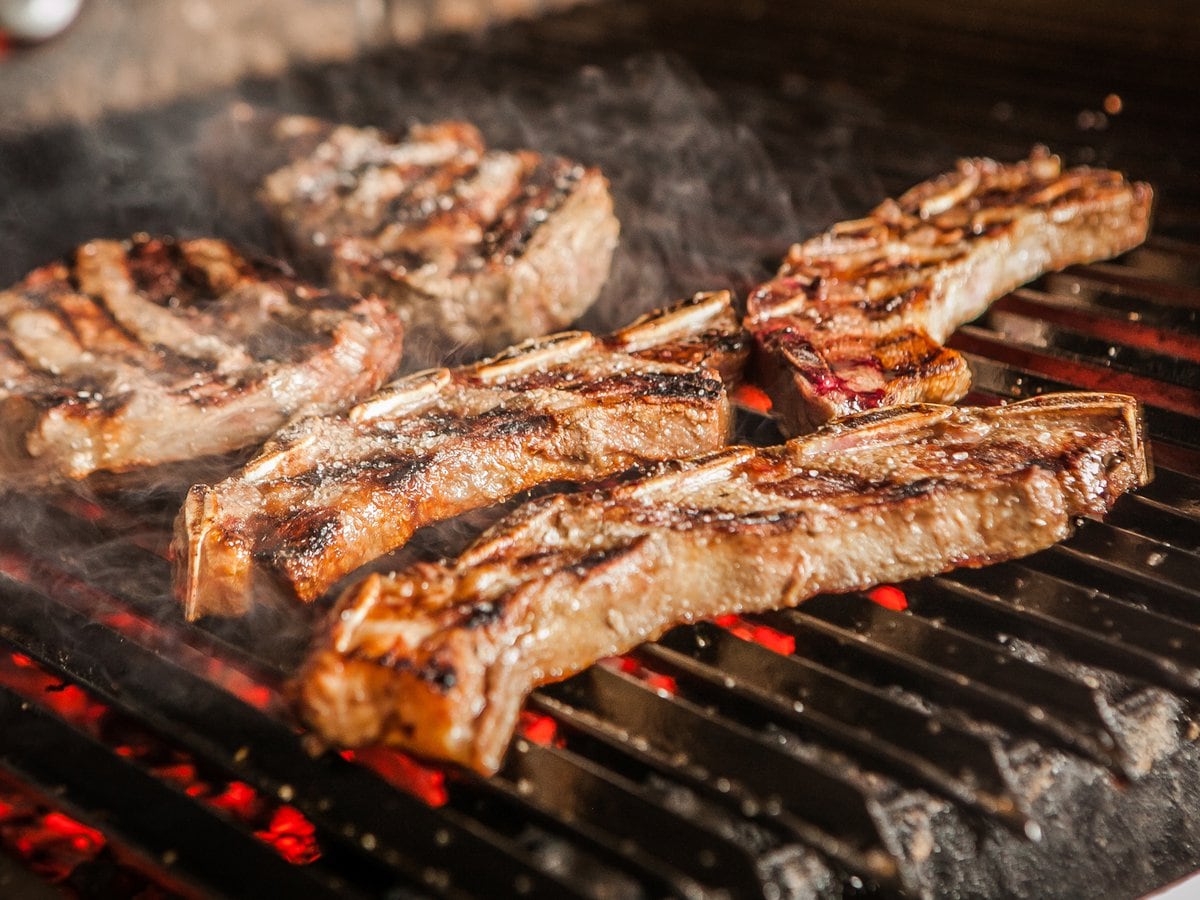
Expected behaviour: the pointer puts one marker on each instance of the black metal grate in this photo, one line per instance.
(843, 747)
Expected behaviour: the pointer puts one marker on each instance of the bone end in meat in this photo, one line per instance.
(329, 494)
(438, 659)
(475, 248)
(135, 354)
(855, 317)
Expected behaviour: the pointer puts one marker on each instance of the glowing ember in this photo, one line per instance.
(656, 680)
(752, 398)
(773, 640)
(292, 836)
(424, 782)
(50, 842)
(538, 728)
(289, 833)
(889, 597)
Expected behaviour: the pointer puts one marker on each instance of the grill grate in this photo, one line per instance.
(681, 769)
(857, 744)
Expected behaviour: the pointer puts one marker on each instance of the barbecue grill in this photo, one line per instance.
(1022, 729)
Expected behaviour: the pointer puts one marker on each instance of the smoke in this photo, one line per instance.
(701, 204)
(703, 201)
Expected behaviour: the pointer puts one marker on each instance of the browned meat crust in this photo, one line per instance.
(438, 659)
(149, 351)
(475, 248)
(327, 495)
(855, 318)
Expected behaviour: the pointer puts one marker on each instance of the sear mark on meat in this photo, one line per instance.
(855, 318)
(329, 494)
(476, 248)
(130, 355)
(566, 580)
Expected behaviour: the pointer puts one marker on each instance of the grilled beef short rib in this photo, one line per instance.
(438, 659)
(475, 247)
(329, 494)
(149, 351)
(855, 318)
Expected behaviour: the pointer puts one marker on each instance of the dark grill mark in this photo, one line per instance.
(432, 184)
(441, 675)
(545, 189)
(156, 268)
(303, 535)
(595, 560)
(696, 386)
(501, 423)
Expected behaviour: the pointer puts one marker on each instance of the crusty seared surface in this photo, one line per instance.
(329, 494)
(856, 317)
(133, 354)
(438, 659)
(476, 248)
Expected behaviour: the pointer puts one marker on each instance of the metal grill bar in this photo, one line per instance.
(636, 825)
(1119, 348)
(814, 701)
(620, 751)
(918, 655)
(84, 775)
(1092, 375)
(346, 801)
(1083, 624)
(683, 730)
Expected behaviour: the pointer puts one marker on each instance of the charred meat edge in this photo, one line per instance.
(329, 494)
(856, 317)
(438, 659)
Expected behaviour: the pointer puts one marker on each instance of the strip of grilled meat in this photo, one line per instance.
(132, 354)
(476, 248)
(329, 494)
(856, 317)
(437, 659)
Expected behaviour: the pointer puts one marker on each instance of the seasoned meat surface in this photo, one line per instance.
(329, 494)
(475, 247)
(438, 659)
(148, 351)
(856, 317)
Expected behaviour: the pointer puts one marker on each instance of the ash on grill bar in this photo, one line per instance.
(1023, 729)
